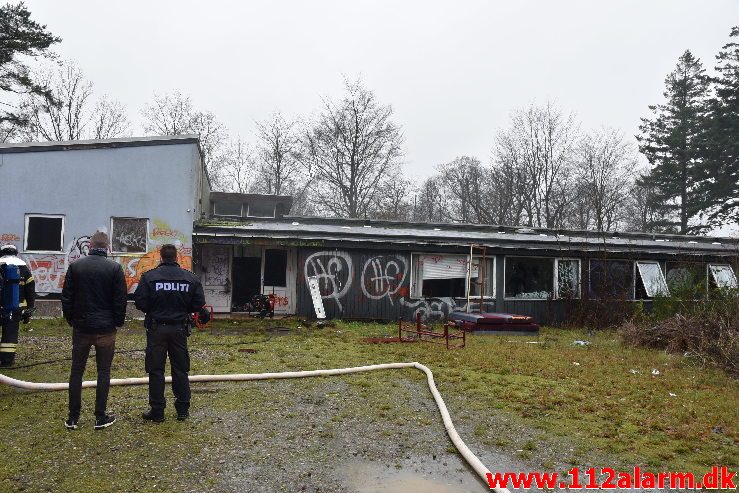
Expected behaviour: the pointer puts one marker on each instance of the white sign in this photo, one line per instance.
(315, 293)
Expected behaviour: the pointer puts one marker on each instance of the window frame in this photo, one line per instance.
(710, 275)
(248, 211)
(637, 271)
(412, 280)
(556, 278)
(241, 209)
(52, 216)
(112, 233)
(633, 276)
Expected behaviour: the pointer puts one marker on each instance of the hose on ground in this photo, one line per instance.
(464, 451)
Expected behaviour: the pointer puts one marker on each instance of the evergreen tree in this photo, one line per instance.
(719, 183)
(670, 140)
(20, 38)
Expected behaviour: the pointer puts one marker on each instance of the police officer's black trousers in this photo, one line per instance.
(9, 340)
(160, 341)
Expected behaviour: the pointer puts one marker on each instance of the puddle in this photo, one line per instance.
(375, 478)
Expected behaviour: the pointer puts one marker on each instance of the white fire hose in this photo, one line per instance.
(471, 458)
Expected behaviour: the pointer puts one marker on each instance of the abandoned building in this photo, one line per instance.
(150, 191)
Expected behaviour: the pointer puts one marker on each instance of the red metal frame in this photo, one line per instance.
(419, 330)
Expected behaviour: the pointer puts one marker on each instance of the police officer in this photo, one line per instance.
(168, 295)
(14, 309)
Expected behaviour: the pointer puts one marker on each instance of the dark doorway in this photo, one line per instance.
(275, 268)
(247, 273)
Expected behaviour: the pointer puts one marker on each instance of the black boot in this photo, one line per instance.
(154, 416)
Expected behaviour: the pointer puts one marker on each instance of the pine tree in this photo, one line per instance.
(719, 183)
(670, 140)
(20, 37)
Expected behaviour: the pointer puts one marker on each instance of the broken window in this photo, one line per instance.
(44, 233)
(686, 278)
(611, 279)
(482, 277)
(652, 281)
(227, 208)
(440, 275)
(129, 234)
(260, 209)
(529, 277)
(568, 278)
(275, 267)
(722, 275)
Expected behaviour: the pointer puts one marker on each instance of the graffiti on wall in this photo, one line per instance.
(49, 269)
(134, 267)
(48, 272)
(334, 271)
(382, 277)
(9, 238)
(78, 248)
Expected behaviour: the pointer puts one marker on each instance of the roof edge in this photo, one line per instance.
(69, 145)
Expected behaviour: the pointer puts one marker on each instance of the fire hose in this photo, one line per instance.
(464, 451)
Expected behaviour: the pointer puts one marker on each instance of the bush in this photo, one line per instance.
(706, 330)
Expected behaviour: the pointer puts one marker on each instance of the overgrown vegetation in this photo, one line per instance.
(705, 331)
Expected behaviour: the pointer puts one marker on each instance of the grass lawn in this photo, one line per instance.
(550, 405)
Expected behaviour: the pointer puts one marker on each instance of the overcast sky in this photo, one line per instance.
(453, 71)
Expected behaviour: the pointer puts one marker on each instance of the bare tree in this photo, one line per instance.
(236, 169)
(640, 211)
(605, 167)
(429, 201)
(394, 201)
(464, 188)
(539, 147)
(69, 110)
(173, 114)
(353, 148)
(279, 155)
(8, 131)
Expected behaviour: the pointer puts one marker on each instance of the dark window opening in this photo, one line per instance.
(260, 209)
(686, 279)
(227, 209)
(275, 268)
(611, 279)
(443, 288)
(44, 234)
(529, 278)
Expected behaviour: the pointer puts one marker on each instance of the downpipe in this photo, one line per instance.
(464, 451)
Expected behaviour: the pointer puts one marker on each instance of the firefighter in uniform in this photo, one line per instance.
(168, 294)
(19, 295)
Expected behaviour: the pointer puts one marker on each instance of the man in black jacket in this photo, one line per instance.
(168, 295)
(94, 304)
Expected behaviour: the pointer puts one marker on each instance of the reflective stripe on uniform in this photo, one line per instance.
(8, 347)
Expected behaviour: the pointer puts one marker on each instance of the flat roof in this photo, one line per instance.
(98, 143)
(460, 235)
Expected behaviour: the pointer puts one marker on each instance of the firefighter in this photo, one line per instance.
(19, 295)
(168, 294)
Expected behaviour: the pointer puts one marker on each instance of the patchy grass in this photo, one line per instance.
(526, 400)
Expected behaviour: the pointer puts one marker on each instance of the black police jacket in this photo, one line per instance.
(168, 294)
(94, 294)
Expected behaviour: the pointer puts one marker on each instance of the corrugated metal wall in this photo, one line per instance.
(365, 284)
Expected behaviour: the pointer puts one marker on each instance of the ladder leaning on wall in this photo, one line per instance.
(482, 274)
